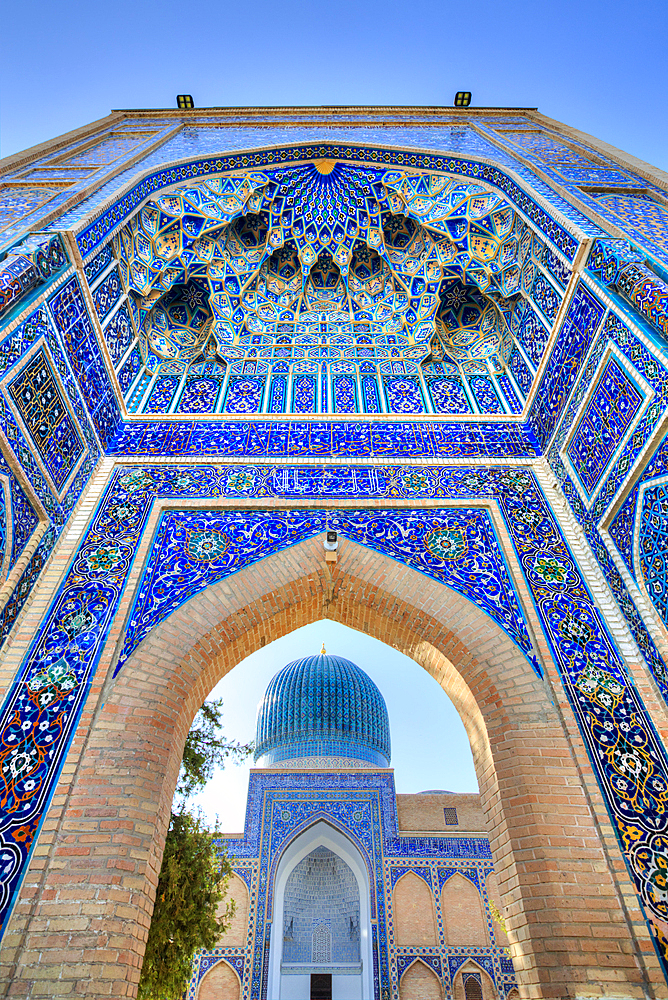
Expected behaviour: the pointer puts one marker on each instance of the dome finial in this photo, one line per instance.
(323, 651)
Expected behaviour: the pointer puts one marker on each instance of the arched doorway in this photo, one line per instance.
(321, 916)
(135, 736)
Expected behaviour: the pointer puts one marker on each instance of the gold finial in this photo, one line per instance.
(323, 651)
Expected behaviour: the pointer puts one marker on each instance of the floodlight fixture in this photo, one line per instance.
(184, 102)
(331, 541)
(462, 98)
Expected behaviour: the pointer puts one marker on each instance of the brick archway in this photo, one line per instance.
(92, 896)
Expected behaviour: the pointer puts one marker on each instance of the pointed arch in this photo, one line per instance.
(317, 835)
(463, 915)
(419, 982)
(413, 912)
(220, 983)
(473, 983)
(133, 738)
(235, 935)
(322, 817)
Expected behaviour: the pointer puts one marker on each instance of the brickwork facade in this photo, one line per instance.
(185, 417)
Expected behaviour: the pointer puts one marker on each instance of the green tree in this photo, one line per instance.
(195, 871)
(206, 749)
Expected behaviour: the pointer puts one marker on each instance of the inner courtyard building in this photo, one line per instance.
(403, 368)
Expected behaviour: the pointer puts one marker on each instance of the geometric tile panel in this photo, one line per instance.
(68, 308)
(107, 293)
(653, 546)
(577, 331)
(612, 407)
(14, 347)
(19, 519)
(621, 529)
(38, 399)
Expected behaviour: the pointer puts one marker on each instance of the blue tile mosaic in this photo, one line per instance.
(653, 546)
(213, 405)
(642, 218)
(295, 439)
(39, 328)
(71, 317)
(94, 268)
(623, 268)
(521, 371)
(90, 237)
(107, 293)
(19, 519)
(530, 331)
(28, 266)
(322, 698)
(119, 334)
(545, 297)
(614, 404)
(622, 527)
(458, 548)
(46, 417)
(577, 332)
(386, 294)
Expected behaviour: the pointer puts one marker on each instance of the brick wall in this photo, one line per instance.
(413, 911)
(81, 923)
(425, 813)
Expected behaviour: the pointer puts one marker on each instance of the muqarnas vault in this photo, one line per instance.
(440, 334)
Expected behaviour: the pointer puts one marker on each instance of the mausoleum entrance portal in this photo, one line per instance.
(567, 900)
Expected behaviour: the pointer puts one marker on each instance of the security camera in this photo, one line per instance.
(331, 541)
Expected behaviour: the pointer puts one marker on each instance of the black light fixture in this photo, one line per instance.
(331, 541)
(184, 102)
(462, 98)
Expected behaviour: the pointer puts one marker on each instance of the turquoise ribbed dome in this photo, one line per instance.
(322, 707)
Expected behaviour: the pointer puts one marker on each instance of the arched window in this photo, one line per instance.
(472, 986)
(473, 983)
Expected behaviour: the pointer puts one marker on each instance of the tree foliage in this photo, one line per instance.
(206, 749)
(195, 872)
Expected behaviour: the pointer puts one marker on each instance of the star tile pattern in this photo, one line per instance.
(308, 289)
(614, 404)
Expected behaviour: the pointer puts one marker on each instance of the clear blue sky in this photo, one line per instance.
(599, 65)
(430, 748)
